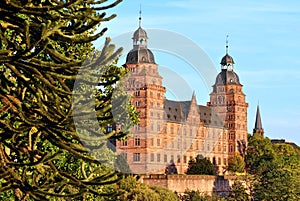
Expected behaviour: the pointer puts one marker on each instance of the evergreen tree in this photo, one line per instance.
(49, 102)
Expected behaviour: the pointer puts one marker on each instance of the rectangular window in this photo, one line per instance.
(158, 157)
(136, 157)
(225, 161)
(178, 158)
(158, 127)
(124, 143)
(137, 141)
(137, 127)
(152, 142)
(152, 157)
(219, 161)
(165, 158)
(158, 142)
(184, 159)
(172, 158)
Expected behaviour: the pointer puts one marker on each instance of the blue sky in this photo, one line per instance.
(264, 40)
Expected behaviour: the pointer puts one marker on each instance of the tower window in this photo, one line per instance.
(137, 141)
(158, 157)
(152, 157)
(136, 157)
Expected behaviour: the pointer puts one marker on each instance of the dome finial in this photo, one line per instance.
(226, 44)
(140, 18)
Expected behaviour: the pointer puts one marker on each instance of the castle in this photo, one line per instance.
(171, 132)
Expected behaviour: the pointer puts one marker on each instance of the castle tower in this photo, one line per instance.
(228, 101)
(145, 86)
(258, 125)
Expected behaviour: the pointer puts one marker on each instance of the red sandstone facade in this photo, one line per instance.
(171, 132)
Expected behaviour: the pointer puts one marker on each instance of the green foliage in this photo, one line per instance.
(238, 192)
(130, 189)
(200, 165)
(191, 195)
(236, 163)
(276, 172)
(49, 146)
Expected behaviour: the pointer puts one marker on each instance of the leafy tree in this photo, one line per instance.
(236, 163)
(130, 189)
(260, 152)
(276, 173)
(238, 192)
(49, 146)
(200, 165)
(191, 195)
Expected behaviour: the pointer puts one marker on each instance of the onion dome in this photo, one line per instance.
(227, 77)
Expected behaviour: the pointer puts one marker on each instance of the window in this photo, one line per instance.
(158, 142)
(151, 94)
(137, 141)
(225, 161)
(137, 127)
(219, 147)
(158, 157)
(230, 148)
(197, 145)
(219, 161)
(184, 159)
(158, 95)
(137, 93)
(152, 142)
(172, 144)
(172, 158)
(124, 143)
(152, 157)
(225, 148)
(172, 130)
(165, 158)
(136, 157)
(178, 158)
(137, 103)
(158, 127)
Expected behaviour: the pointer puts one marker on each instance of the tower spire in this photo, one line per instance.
(140, 18)
(258, 125)
(226, 44)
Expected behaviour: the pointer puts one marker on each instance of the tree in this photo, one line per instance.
(238, 192)
(200, 166)
(236, 163)
(191, 195)
(130, 189)
(276, 172)
(48, 99)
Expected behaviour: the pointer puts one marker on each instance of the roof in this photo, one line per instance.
(178, 111)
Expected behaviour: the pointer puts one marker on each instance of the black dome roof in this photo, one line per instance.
(227, 77)
(141, 55)
(227, 60)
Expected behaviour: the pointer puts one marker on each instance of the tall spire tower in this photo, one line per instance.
(229, 102)
(258, 125)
